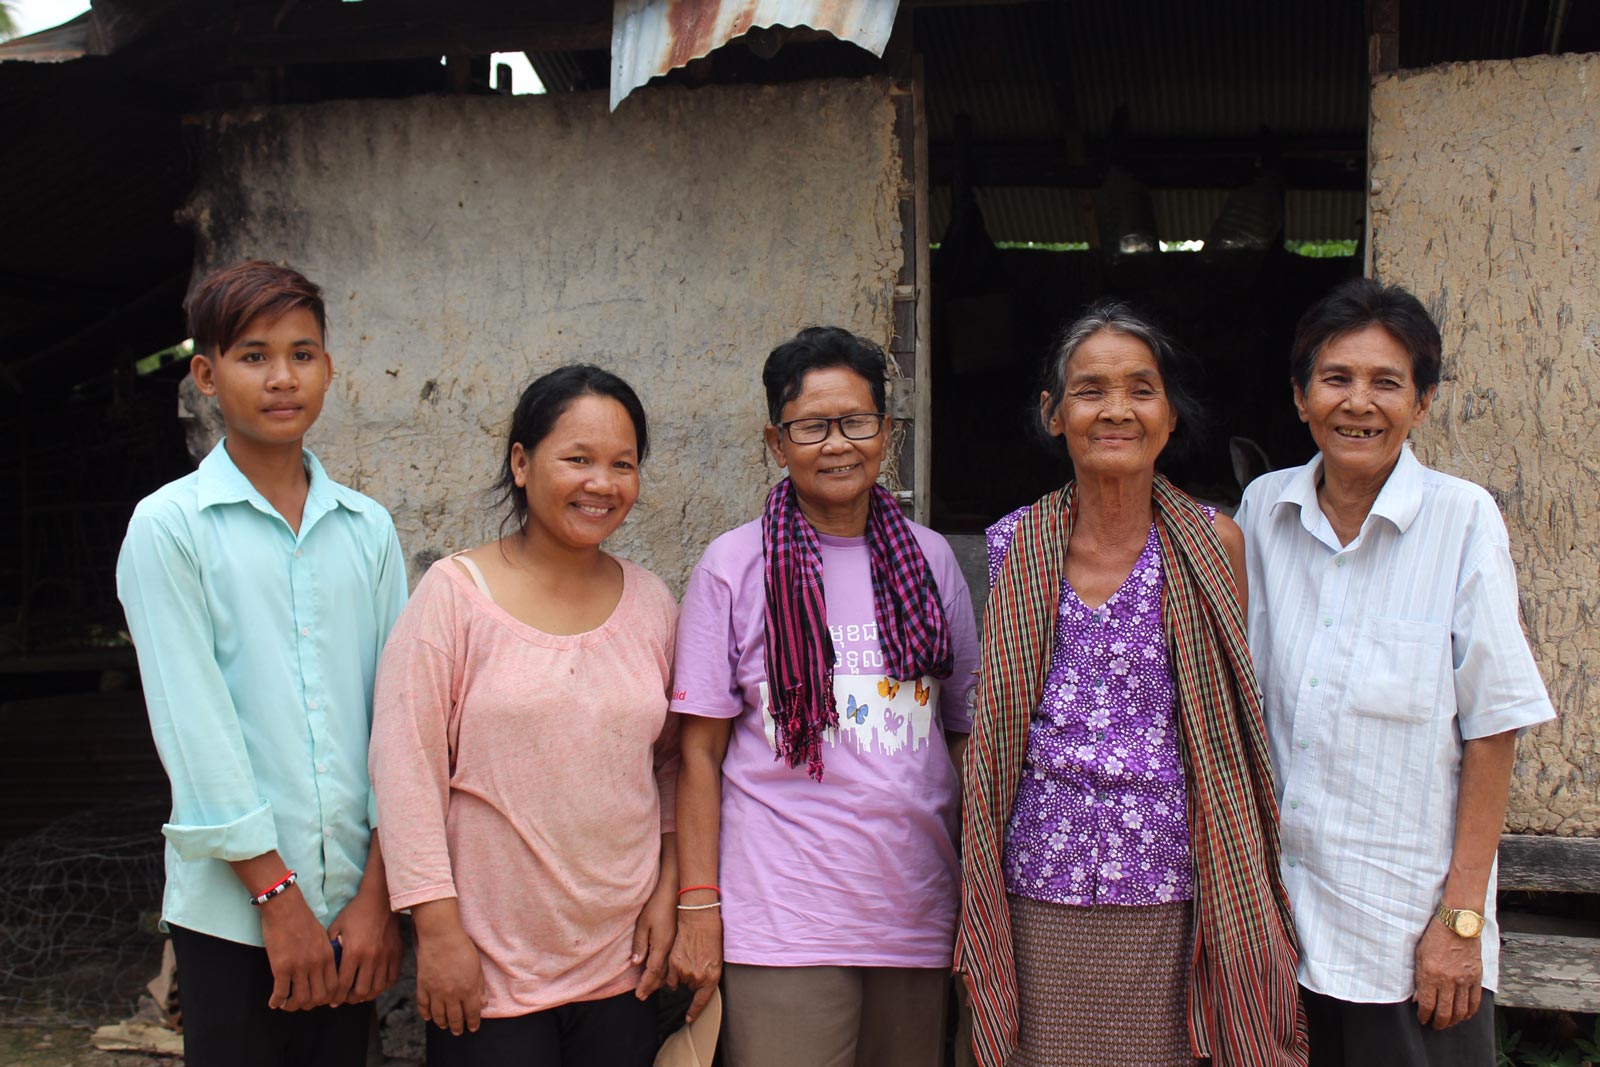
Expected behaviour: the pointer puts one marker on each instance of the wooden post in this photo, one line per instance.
(1383, 36)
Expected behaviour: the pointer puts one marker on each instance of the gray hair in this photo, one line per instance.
(1175, 367)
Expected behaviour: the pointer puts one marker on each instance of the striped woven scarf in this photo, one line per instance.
(799, 657)
(1244, 1006)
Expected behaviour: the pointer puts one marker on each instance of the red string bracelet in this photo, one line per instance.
(692, 888)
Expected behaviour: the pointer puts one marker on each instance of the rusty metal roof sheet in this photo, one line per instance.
(70, 40)
(651, 37)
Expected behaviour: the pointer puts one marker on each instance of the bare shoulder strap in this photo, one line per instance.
(475, 574)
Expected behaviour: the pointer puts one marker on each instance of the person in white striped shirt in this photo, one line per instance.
(1395, 678)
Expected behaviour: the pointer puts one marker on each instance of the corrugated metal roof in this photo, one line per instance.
(70, 40)
(651, 37)
(1176, 68)
(1053, 215)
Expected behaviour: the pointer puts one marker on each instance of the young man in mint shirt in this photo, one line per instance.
(259, 594)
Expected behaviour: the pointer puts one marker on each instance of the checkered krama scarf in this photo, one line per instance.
(799, 656)
(1244, 1005)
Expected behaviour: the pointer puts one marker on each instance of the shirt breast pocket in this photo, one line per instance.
(1398, 669)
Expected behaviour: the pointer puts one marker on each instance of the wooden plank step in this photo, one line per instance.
(1550, 864)
(1550, 971)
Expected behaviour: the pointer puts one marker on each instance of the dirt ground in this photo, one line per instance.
(40, 1046)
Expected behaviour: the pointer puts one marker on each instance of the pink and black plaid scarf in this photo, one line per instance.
(799, 659)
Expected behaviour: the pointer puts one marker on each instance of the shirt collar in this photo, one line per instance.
(221, 482)
(1401, 496)
(1398, 501)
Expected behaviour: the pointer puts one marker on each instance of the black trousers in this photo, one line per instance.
(618, 1031)
(1343, 1034)
(224, 987)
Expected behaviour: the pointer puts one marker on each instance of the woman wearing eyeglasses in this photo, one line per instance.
(824, 656)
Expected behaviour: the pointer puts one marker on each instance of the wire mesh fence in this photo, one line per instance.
(78, 911)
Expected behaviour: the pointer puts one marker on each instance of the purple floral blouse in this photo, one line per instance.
(1100, 815)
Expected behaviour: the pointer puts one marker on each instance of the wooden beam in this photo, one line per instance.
(333, 45)
(1161, 163)
(1550, 864)
(1383, 36)
(1549, 971)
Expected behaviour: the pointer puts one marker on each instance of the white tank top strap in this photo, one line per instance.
(475, 574)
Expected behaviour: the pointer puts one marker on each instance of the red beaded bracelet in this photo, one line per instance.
(280, 886)
(692, 888)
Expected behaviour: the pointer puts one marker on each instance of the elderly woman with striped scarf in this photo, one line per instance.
(825, 653)
(1121, 901)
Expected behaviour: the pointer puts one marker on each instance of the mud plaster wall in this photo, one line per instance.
(1487, 205)
(468, 244)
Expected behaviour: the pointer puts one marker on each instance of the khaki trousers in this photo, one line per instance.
(833, 1016)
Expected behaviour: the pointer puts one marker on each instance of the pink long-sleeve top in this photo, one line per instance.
(529, 775)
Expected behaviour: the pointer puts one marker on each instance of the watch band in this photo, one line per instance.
(1463, 922)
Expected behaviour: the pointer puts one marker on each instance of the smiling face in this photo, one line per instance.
(582, 478)
(833, 477)
(1362, 403)
(1114, 413)
(271, 382)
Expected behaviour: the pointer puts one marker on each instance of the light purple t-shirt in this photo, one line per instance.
(1101, 813)
(859, 869)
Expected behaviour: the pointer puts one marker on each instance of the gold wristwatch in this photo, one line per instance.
(1462, 921)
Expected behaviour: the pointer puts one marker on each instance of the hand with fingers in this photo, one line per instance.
(653, 935)
(303, 972)
(696, 959)
(369, 948)
(1449, 977)
(449, 970)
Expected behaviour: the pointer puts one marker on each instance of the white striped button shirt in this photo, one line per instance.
(1376, 660)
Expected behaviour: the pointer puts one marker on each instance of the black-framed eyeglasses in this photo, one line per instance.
(863, 426)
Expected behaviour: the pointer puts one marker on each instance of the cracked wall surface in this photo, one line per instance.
(1486, 203)
(467, 244)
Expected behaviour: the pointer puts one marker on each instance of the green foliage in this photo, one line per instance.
(1046, 246)
(8, 27)
(156, 360)
(1322, 249)
(1513, 1048)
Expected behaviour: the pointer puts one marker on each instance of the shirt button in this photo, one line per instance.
(305, 631)
(297, 553)
(1304, 743)
(1327, 620)
(322, 768)
(329, 833)
(312, 704)
(1292, 803)
(1338, 561)
(1293, 862)
(1313, 683)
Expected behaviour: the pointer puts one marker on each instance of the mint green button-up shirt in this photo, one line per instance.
(257, 649)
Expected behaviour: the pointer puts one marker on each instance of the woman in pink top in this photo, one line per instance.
(520, 756)
(822, 670)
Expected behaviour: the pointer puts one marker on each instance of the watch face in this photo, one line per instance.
(1468, 924)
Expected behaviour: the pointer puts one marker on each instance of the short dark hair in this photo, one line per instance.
(1177, 369)
(1356, 304)
(815, 348)
(229, 299)
(542, 404)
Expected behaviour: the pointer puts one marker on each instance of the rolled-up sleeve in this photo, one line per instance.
(1497, 682)
(218, 811)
